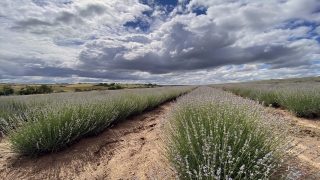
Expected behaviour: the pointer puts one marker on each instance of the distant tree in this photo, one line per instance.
(118, 87)
(44, 89)
(150, 85)
(112, 84)
(78, 90)
(102, 84)
(112, 88)
(7, 90)
(27, 90)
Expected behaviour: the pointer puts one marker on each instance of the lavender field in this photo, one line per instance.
(207, 133)
(303, 99)
(39, 124)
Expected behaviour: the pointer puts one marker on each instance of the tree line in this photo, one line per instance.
(8, 90)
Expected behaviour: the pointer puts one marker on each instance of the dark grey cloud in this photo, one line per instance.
(92, 10)
(182, 50)
(67, 17)
(36, 24)
(23, 70)
(40, 3)
(30, 23)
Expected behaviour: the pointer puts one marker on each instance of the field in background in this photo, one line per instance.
(289, 80)
(57, 88)
(300, 96)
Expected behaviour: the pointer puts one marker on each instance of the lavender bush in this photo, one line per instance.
(211, 134)
(303, 99)
(40, 124)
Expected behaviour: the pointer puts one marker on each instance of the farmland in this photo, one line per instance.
(205, 134)
(36, 125)
(79, 87)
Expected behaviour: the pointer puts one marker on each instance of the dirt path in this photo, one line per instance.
(128, 150)
(309, 135)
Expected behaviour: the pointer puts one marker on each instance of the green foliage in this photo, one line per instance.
(303, 99)
(103, 84)
(114, 87)
(214, 135)
(28, 90)
(41, 124)
(7, 90)
(78, 90)
(43, 89)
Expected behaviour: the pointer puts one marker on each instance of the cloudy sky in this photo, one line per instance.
(158, 41)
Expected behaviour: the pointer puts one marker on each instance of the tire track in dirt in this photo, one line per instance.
(127, 150)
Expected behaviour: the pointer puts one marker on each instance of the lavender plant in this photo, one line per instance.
(211, 134)
(303, 99)
(51, 122)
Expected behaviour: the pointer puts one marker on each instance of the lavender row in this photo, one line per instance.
(44, 123)
(212, 134)
(303, 99)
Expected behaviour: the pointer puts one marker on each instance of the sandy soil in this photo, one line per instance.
(309, 138)
(128, 150)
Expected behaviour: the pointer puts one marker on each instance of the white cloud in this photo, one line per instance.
(91, 40)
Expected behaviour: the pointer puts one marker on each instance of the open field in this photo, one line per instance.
(237, 138)
(80, 86)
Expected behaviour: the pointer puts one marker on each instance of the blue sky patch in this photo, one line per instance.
(318, 39)
(143, 25)
(265, 66)
(168, 2)
(295, 23)
(200, 11)
(40, 3)
(229, 67)
(68, 42)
